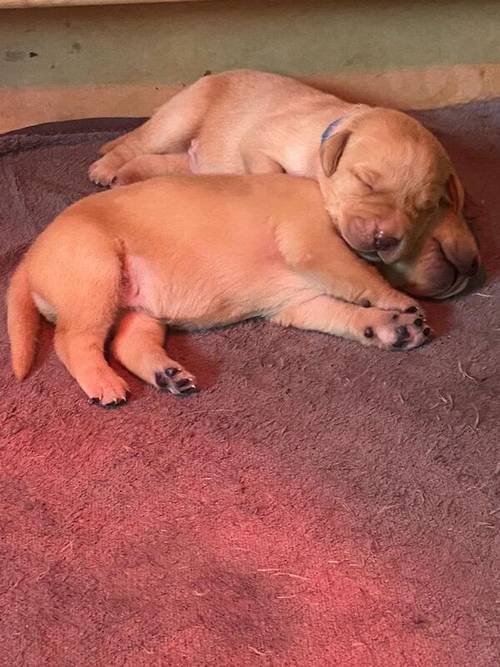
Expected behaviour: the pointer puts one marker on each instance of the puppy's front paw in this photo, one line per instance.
(397, 331)
(176, 380)
(402, 303)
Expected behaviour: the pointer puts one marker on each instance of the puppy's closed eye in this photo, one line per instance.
(364, 181)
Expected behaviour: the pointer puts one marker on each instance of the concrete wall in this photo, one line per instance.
(70, 62)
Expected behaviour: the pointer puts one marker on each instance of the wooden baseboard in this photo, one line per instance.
(405, 89)
(22, 4)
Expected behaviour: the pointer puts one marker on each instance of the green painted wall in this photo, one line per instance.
(171, 43)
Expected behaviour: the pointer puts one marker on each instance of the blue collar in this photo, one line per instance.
(331, 129)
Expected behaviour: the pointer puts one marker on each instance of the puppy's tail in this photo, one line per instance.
(23, 320)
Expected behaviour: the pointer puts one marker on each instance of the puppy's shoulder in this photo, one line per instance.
(298, 193)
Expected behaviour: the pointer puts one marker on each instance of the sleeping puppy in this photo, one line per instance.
(194, 252)
(386, 180)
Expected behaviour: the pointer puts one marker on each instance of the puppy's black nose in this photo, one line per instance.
(382, 242)
(473, 268)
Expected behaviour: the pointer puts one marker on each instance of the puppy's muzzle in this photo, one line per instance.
(382, 237)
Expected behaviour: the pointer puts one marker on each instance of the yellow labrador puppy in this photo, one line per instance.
(385, 179)
(194, 252)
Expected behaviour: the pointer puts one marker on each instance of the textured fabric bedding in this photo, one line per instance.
(316, 504)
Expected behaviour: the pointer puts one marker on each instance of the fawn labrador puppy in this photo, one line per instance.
(385, 179)
(194, 252)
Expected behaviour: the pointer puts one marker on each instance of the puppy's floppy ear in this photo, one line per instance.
(455, 193)
(332, 149)
(457, 243)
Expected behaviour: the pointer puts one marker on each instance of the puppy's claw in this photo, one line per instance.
(109, 406)
(102, 173)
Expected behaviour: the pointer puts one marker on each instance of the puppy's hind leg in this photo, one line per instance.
(369, 326)
(169, 130)
(80, 345)
(86, 305)
(109, 145)
(146, 166)
(138, 345)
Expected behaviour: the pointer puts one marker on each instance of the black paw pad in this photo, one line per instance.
(368, 332)
(402, 336)
(427, 331)
(402, 331)
(176, 381)
(418, 322)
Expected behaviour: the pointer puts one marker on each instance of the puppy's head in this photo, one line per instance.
(442, 265)
(386, 181)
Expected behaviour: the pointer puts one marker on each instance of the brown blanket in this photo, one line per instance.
(316, 504)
